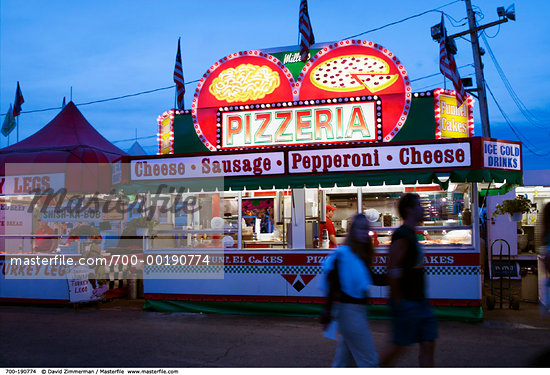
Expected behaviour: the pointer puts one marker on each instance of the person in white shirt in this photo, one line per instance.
(347, 283)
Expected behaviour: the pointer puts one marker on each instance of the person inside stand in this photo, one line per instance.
(413, 320)
(45, 244)
(347, 281)
(422, 235)
(329, 226)
(248, 218)
(264, 223)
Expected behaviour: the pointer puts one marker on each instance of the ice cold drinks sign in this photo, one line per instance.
(502, 155)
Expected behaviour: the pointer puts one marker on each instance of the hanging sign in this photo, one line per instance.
(362, 159)
(20, 185)
(452, 121)
(259, 84)
(165, 136)
(71, 214)
(307, 161)
(250, 164)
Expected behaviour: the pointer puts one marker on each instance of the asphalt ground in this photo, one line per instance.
(120, 334)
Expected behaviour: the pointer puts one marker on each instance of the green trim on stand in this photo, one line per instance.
(487, 175)
(283, 182)
(464, 314)
(329, 180)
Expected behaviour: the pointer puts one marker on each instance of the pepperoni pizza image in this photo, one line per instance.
(359, 69)
(353, 72)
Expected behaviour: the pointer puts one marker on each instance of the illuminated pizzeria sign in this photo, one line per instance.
(313, 122)
(349, 91)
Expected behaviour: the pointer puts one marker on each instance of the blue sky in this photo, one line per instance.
(106, 49)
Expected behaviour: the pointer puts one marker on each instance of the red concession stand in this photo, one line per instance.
(270, 141)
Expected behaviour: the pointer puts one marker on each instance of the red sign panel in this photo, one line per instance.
(333, 87)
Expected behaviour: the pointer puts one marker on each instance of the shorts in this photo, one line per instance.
(413, 321)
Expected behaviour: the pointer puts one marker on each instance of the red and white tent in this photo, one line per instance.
(67, 144)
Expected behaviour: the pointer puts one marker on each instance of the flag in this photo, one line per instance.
(178, 80)
(306, 32)
(9, 123)
(18, 101)
(447, 65)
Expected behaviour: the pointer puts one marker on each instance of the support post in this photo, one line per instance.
(480, 79)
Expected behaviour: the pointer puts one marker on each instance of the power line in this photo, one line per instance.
(167, 88)
(403, 20)
(436, 74)
(134, 139)
(484, 32)
(108, 99)
(437, 83)
(172, 86)
(519, 136)
(523, 109)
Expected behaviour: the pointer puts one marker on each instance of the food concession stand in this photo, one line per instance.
(270, 141)
(53, 159)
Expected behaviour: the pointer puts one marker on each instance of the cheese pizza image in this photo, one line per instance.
(244, 82)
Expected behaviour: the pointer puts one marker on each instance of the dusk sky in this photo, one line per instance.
(108, 49)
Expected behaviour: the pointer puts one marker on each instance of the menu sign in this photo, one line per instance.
(307, 161)
(380, 158)
(266, 163)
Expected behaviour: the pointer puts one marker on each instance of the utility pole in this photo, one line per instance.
(504, 15)
(480, 79)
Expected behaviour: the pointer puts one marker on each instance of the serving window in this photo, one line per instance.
(447, 213)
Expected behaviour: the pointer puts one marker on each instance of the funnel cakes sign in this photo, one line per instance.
(350, 91)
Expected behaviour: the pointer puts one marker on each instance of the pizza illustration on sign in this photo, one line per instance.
(244, 83)
(240, 79)
(345, 71)
(359, 69)
(353, 72)
(376, 82)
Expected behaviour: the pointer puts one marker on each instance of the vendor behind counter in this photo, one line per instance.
(329, 226)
